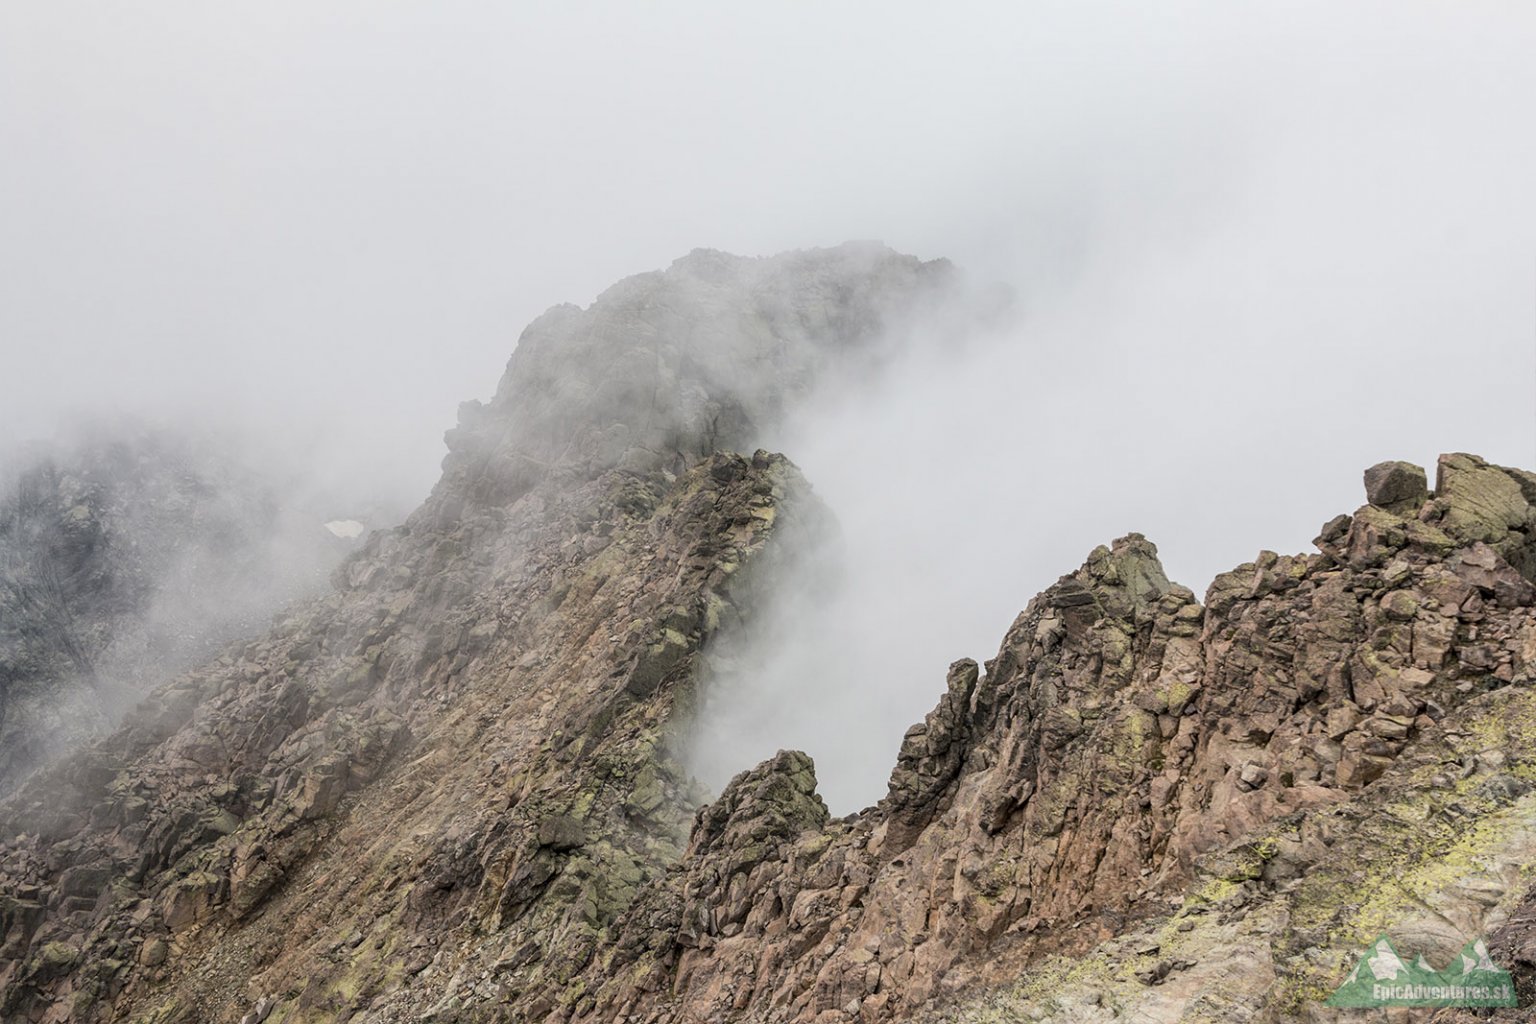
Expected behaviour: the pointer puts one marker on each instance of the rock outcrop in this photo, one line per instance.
(1167, 811)
(451, 789)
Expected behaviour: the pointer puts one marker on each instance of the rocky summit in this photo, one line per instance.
(452, 788)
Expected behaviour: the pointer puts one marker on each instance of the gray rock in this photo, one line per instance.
(561, 832)
(1396, 485)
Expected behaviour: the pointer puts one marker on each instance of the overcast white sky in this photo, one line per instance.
(1260, 246)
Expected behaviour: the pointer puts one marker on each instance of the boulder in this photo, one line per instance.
(1396, 486)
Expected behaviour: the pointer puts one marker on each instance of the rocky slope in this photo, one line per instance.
(459, 766)
(451, 789)
(125, 555)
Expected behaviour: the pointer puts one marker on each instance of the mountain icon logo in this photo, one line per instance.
(1381, 977)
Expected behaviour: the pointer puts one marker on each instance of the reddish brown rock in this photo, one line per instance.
(449, 791)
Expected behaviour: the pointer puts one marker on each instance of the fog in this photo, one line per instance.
(1254, 249)
(129, 555)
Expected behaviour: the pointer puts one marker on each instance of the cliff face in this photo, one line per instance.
(451, 789)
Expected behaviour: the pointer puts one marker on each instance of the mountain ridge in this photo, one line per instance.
(453, 789)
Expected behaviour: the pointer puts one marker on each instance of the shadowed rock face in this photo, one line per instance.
(124, 557)
(450, 790)
(1396, 485)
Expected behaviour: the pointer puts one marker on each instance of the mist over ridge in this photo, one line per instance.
(258, 216)
(691, 512)
(129, 555)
